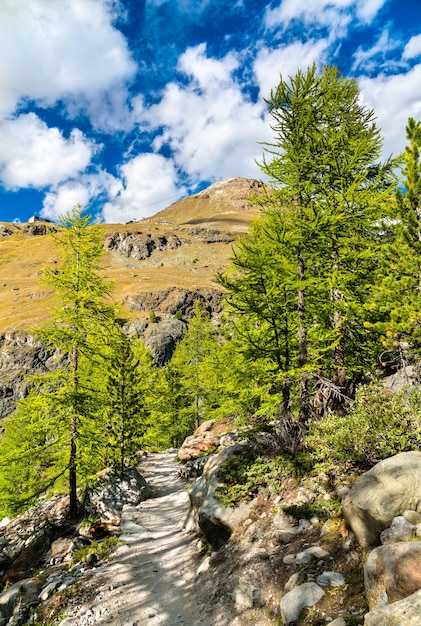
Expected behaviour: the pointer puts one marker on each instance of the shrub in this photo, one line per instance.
(242, 477)
(378, 425)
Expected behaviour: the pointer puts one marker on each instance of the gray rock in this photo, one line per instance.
(331, 579)
(400, 530)
(384, 492)
(392, 572)
(339, 621)
(406, 612)
(111, 494)
(296, 600)
(25, 591)
(311, 554)
(207, 513)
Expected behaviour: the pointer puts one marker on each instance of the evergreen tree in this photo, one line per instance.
(64, 407)
(127, 399)
(190, 361)
(329, 191)
(398, 301)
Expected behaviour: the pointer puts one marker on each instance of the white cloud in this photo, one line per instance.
(210, 126)
(33, 155)
(64, 50)
(148, 185)
(412, 48)
(394, 99)
(64, 198)
(374, 58)
(285, 60)
(337, 15)
(83, 190)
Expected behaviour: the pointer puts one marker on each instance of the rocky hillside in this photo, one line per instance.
(161, 264)
(152, 262)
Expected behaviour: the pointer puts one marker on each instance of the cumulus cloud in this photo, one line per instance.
(148, 184)
(44, 48)
(34, 155)
(210, 126)
(86, 190)
(394, 99)
(412, 48)
(270, 63)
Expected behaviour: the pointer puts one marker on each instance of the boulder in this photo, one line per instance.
(24, 592)
(112, 493)
(201, 441)
(296, 600)
(392, 572)
(406, 612)
(384, 492)
(207, 513)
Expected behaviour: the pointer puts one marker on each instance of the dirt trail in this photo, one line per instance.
(151, 580)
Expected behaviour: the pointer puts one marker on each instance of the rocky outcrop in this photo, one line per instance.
(406, 612)
(207, 513)
(162, 336)
(175, 299)
(21, 355)
(204, 439)
(408, 376)
(384, 492)
(112, 493)
(208, 235)
(140, 246)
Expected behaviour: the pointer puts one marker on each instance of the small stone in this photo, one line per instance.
(331, 579)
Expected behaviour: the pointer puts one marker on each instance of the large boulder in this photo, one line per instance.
(112, 493)
(392, 572)
(201, 441)
(207, 513)
(406, 612)
(384, 492)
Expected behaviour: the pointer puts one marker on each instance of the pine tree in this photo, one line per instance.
(397, 301)
(126, 399)
(64, 407)
(330, 189)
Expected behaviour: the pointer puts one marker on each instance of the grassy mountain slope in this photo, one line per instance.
(205, 225)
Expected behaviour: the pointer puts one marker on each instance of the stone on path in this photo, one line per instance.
(299, 598)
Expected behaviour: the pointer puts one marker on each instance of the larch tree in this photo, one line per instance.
(63, 407)
(329, 190)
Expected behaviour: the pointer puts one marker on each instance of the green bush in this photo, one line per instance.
(379, 424)
(242, 477)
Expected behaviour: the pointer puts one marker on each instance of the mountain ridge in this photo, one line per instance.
(183, 246)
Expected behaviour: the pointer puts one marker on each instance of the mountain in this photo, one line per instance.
(152, 262)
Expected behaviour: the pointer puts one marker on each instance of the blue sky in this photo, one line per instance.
(126, 106)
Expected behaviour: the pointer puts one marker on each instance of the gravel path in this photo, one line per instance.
(152, 579)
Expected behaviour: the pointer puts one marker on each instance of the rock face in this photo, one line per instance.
(384, 492)
(175, 299)
(392, 572)
(162, 336)
(20, 355)
(207, 513)
(405, 612)
(140, 246)
(112, 494)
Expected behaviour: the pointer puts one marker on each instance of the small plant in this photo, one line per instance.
(244, 476)
(101, 548)
(178, 315)
(322, 509)
(152, 317)
(195, 260)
